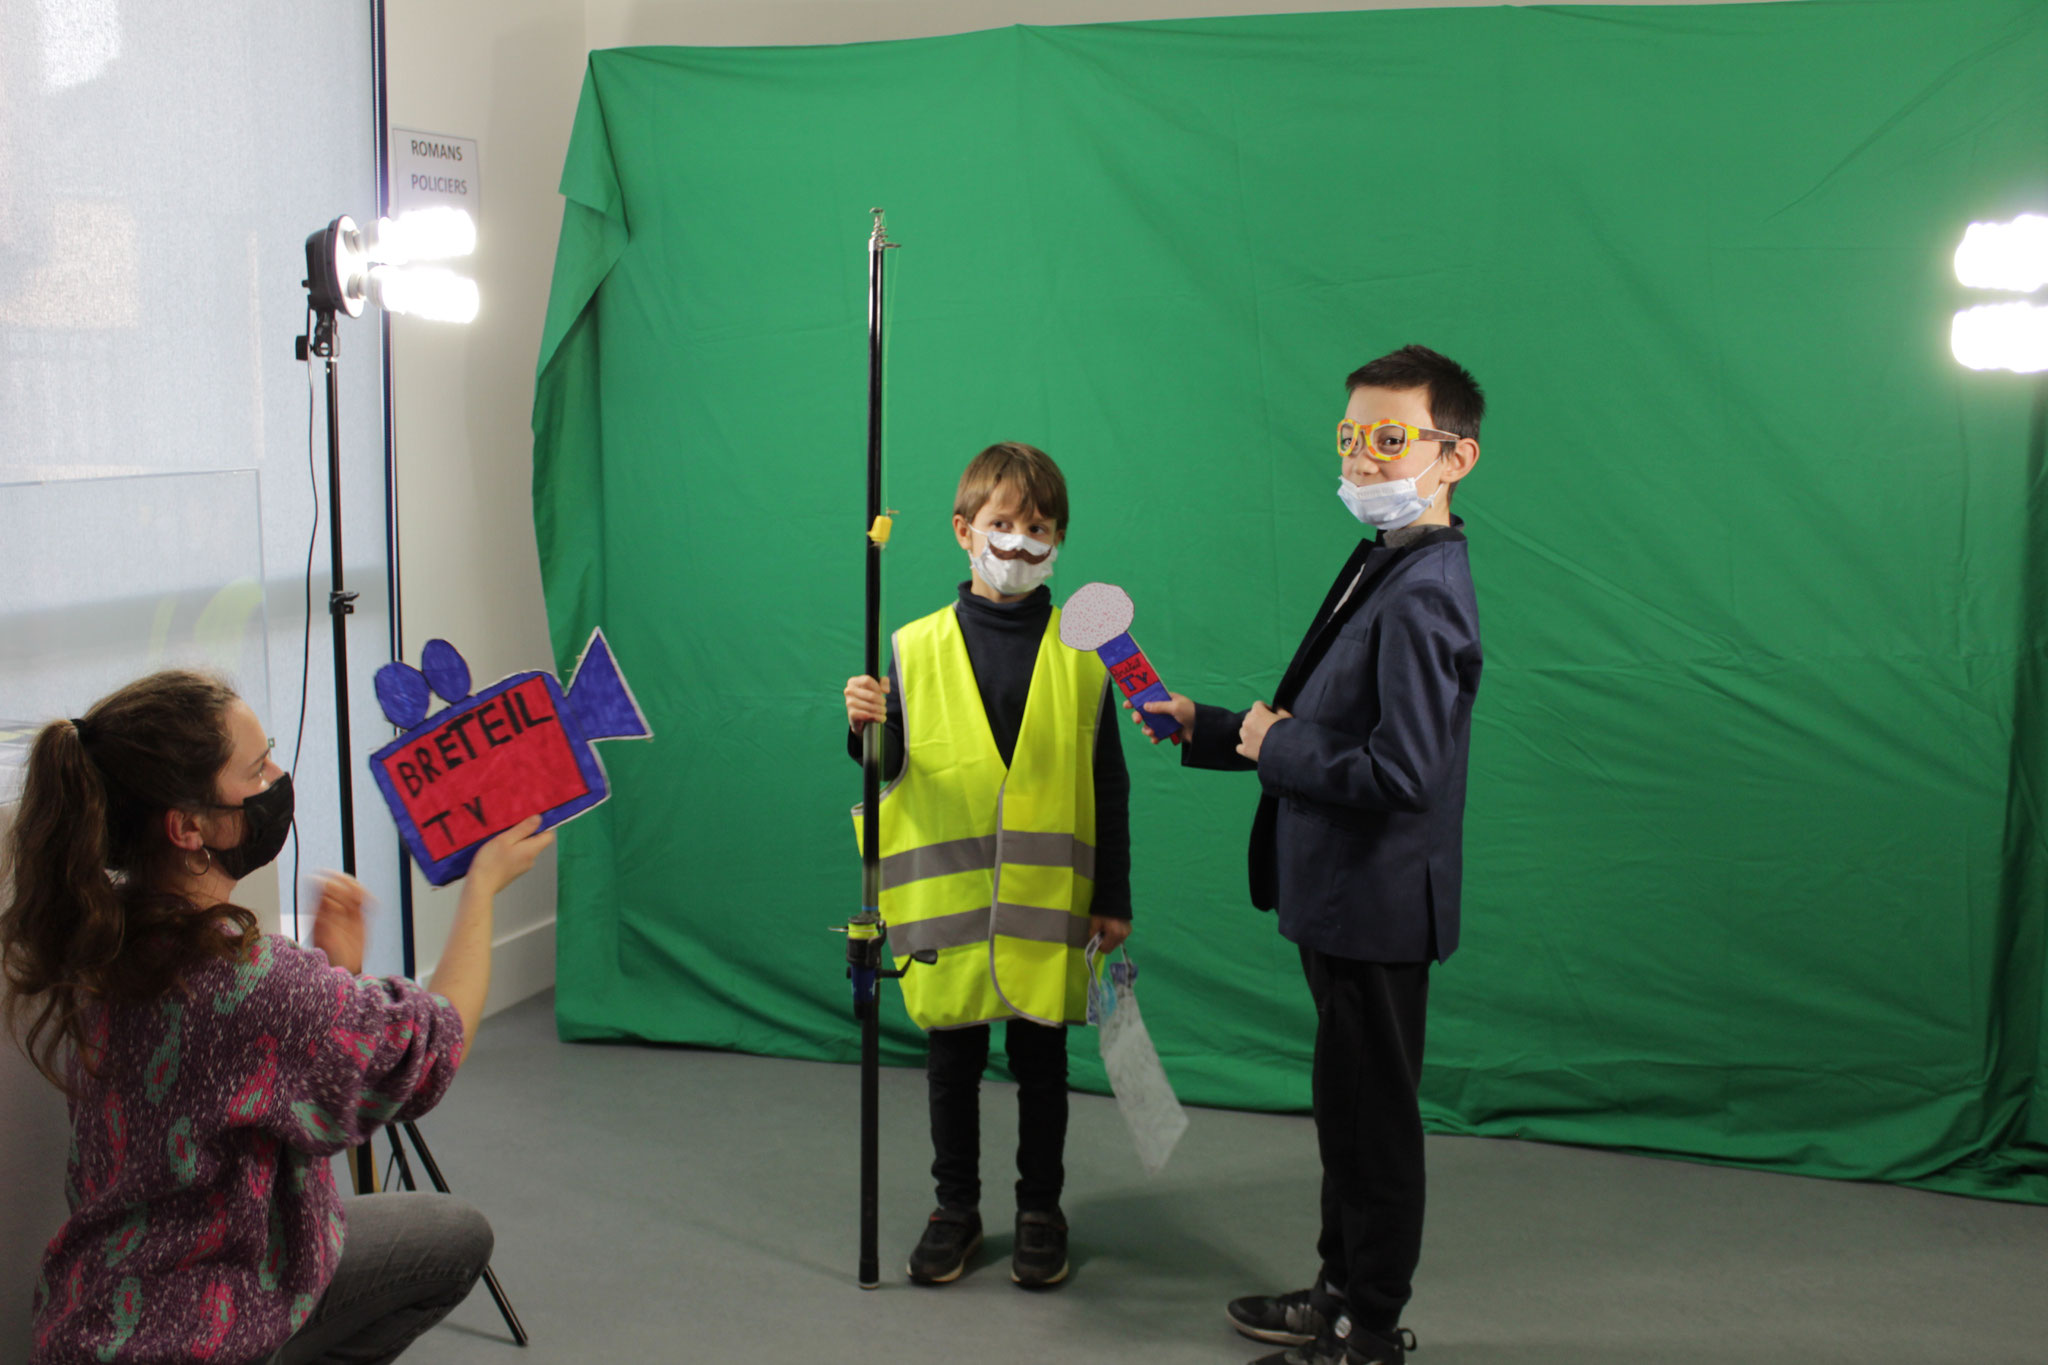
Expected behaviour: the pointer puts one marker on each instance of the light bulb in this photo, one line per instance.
(2010, 256)
(2001, 336)
(432, 234)
(425, 291)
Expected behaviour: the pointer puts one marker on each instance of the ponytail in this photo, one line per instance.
(57, 854)
(88, 918)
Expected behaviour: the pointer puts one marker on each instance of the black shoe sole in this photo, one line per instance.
(1270, 1337)
(1023, 1283)
(955, 1273)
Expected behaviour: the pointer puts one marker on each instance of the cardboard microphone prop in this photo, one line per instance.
(520, 747)
(1098, 617)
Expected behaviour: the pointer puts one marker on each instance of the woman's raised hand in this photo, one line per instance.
(507, 858)
(338, 920)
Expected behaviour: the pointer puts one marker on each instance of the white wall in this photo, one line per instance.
(507, 72)
(623, 23)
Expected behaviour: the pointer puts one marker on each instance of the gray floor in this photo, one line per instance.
(664, 1204)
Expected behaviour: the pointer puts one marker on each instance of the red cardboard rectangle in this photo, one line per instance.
(1133, 674)
(486, 767)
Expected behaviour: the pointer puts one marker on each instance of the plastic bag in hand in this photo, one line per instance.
(1143, 1093)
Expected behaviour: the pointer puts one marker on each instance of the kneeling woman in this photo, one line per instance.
(212, 1070)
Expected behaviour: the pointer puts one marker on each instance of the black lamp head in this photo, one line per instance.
(337, 268)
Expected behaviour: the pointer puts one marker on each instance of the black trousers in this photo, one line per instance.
(953, 1067)
(1368, 1065)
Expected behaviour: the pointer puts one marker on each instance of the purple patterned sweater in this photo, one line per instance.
(204, 1219)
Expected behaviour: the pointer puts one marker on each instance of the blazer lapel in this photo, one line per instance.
(1337, 608)
(1298, 666)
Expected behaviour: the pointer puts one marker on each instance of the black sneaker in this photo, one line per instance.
(1362, 1347)
(1367, 1347)
(1326, 1349)
(1040, 1257)
(950, 1237)
(1283, 1319)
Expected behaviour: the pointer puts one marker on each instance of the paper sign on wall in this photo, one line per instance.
(521, 747)
(433, 170)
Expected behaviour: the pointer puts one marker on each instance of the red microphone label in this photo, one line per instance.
(1133, 675)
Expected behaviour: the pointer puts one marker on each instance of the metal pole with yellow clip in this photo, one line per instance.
(866, 933)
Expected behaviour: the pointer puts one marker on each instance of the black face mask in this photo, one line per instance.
(266, 821)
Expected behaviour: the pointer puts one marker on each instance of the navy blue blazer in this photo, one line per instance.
(1358, 841)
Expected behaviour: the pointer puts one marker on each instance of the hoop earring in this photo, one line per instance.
(208, 867)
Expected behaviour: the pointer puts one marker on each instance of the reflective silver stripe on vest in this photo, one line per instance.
(1050, 850)
(979, 854)
(1041, 925)
(1034, 922)
(938, 860)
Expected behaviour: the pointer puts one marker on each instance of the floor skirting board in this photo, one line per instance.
(522, 965)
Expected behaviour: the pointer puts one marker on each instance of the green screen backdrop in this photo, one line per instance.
(1754, 845)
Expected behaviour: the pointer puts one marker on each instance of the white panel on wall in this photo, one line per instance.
(81, 624)
(160, 169)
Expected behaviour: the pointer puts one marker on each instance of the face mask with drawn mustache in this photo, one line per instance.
(1011, 577)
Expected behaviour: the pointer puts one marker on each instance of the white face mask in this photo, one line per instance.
(1011, 577)
(1387, 506)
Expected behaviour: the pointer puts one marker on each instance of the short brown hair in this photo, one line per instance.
(1027, 469)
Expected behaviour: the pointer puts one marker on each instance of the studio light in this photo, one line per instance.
(345, 271)
(2002, 336)
(2012, 257)
(347, 268)
(434, 235)
(424, 291)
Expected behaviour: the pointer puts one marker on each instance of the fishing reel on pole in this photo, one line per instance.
(866, 935)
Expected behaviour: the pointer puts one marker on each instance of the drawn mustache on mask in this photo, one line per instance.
(992, 541)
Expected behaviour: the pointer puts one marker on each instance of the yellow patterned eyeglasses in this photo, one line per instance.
(1383, 439)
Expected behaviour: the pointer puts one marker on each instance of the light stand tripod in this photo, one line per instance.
(320, 342)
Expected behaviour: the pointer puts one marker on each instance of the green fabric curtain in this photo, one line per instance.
(1754, 862)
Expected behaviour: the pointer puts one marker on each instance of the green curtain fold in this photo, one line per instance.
(1754, 845)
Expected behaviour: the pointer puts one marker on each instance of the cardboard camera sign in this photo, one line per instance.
(520, 747)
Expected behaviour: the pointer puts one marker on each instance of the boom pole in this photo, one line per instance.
(865, 932)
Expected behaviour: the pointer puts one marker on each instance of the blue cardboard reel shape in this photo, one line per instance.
(523, 746)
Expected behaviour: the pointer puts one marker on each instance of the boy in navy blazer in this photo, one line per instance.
(1357, 843)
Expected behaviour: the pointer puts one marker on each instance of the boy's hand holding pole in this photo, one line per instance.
(866, 700)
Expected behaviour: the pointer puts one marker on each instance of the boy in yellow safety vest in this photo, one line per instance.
(1005, 846)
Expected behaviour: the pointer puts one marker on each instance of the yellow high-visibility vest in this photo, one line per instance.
(992, 867)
